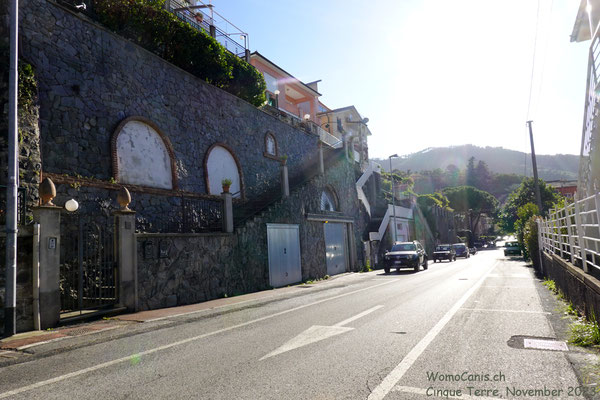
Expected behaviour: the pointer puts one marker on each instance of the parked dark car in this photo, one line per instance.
(512, 249)
(405, 255)
(461, 250)
(444, 252)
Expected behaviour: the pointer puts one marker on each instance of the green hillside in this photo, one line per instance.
(498, 159)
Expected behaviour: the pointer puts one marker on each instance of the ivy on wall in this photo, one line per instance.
(148, 24)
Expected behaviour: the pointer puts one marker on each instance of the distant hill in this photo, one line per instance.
(498, 159)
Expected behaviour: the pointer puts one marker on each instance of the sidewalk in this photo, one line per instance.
(23, 342)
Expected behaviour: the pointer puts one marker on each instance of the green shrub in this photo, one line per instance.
(530, 241)
(148, 24)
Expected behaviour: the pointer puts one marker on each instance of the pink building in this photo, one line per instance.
(287, 93)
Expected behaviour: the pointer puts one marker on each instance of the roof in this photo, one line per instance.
(281, 70)
(581, 29)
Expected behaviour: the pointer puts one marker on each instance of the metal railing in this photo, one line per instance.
(329, 139)
(191, 215)
(573, 233)
(21, 205)
(208, 23)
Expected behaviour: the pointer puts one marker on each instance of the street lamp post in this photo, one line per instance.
(393, 196)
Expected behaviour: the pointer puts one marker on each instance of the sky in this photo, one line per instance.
(433, 73)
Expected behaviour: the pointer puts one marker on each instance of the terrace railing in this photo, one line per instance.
(573, 233)
(192, 215)
(212, 23)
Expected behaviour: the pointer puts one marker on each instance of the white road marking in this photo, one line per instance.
(414, 390)
(317, 333)
(314, 334)
(175, 344)
(398, 372)
(504, 311)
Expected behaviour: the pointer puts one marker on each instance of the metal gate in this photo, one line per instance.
(334, 248)
(88, 269)
(284, 254)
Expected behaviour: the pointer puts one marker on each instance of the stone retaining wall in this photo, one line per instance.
(89, 85)
(581, 289)
(199, 267)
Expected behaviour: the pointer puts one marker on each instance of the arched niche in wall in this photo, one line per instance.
(221, 163)
(143, 155)
(270, 145)
(328, 200)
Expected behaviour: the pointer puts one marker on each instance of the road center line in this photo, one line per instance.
(357, 316)
(398, 372)
(178, 343)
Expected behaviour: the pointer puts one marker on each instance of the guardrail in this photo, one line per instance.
(573, 233)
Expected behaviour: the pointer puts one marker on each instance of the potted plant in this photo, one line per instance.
(226, 183)
(284, 159)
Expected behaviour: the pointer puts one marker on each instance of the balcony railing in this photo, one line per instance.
(227, 34)
(329, 139)
(588, 178)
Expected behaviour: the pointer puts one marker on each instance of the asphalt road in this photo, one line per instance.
(404, 335)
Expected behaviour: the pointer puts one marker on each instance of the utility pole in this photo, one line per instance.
(10, 301)
(536, 186)
(393, 196)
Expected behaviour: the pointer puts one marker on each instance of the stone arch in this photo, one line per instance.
(143, 155)
(221, 162)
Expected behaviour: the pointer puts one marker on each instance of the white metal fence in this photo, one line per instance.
(573, 233)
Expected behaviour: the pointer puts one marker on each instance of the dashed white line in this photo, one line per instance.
(398, 372)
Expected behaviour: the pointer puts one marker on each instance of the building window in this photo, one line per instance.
(142, 155)
(328, 200)
(270, 145)
(220, 163)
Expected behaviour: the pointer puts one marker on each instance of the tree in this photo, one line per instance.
(522, 195)
(471, 202)
(483, 177)
(470, 174)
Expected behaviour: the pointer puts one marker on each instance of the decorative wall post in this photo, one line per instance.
(321, 162)
(285, 184)
(227, 212)
(126, 251)
(48, 217)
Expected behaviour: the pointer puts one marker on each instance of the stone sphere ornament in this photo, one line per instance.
(47, 192)
(124, 198)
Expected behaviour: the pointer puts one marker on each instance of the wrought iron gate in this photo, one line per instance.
(88, 270)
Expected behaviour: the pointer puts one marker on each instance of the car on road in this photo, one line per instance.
(473, 250)
(444, 252)
(512, 249)
(461, 250)
(405, 255)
